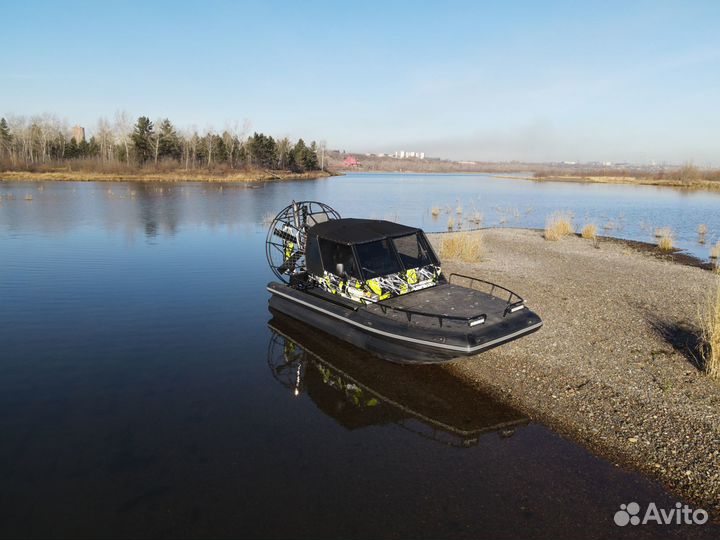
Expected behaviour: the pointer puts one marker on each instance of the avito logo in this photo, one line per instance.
(680, 515)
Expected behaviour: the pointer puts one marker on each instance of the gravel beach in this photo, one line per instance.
(611, 368)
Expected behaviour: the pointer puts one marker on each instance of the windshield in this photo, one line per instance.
(377, 259)
(413, 251)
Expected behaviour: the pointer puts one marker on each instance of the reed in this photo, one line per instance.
(28, 197)
(435, 211)
(710, 332)
(589, 231)
(715, 251)
(451, 223)
(465, 247)
(662, 231)
(557, 226)
(702, 231)
(477, 218)
(665, 243)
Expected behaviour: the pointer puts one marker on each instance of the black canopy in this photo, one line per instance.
(359, 231)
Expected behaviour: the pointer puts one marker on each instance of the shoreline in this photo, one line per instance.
(170, 176)
(699, 185)
(631, 180)
(612, 367)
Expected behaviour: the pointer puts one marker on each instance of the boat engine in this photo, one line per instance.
(285, 243)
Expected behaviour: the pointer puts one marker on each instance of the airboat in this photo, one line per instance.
(379, 286)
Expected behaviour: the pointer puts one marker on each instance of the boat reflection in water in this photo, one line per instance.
(358, 390)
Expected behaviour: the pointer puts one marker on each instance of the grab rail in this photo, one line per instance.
(512, 305)
(472, 320)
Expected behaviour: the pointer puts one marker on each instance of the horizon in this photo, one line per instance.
(529, 83)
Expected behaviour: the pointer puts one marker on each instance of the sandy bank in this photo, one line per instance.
(170, 176)
(611, 367)
(639, 180)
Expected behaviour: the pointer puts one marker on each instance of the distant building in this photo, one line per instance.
(402, 154)
(351, 162)
(78, 134)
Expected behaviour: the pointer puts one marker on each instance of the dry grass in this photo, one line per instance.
(476, 218)
(715, 251)
(589, 231)
(451, 223)
(662, 231)
(557, 226)
(702, 231)
(465, 247)
(665, 243)
(435, 211)
(710, 332)
(151, 175)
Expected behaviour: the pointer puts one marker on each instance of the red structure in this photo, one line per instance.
(351, 162)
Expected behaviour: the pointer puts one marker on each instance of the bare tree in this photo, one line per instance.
(209, 144)
(230, 138)
(321, 149)
(155, 141)
(123, 129)
(283, 150)
(106, 140)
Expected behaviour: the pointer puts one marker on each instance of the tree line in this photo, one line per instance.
(47, 140)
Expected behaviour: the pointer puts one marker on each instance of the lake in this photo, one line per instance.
(146, 391)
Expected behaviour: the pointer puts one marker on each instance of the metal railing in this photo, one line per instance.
(472, 320)
(514, 301)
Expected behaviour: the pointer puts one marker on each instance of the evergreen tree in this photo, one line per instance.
(221, 150)
(5, 138)
(169, 142)
(262, 151)
(304, 158)
(142, 138)
(71, 149)
(91, 148)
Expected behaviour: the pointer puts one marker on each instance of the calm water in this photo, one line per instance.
(145, 390)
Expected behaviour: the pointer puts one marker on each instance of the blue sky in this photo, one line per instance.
(608, 81)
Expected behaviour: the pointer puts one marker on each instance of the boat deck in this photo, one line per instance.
(443, 300)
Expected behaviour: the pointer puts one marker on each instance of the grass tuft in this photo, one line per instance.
(451, 223)
(665, 243)
(435, 211)
(715, 251)
(702, 231)
(465, 247)
(558, 225)
(710, 333)
(589, 231)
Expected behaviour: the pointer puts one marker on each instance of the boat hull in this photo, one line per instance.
(408, 342)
